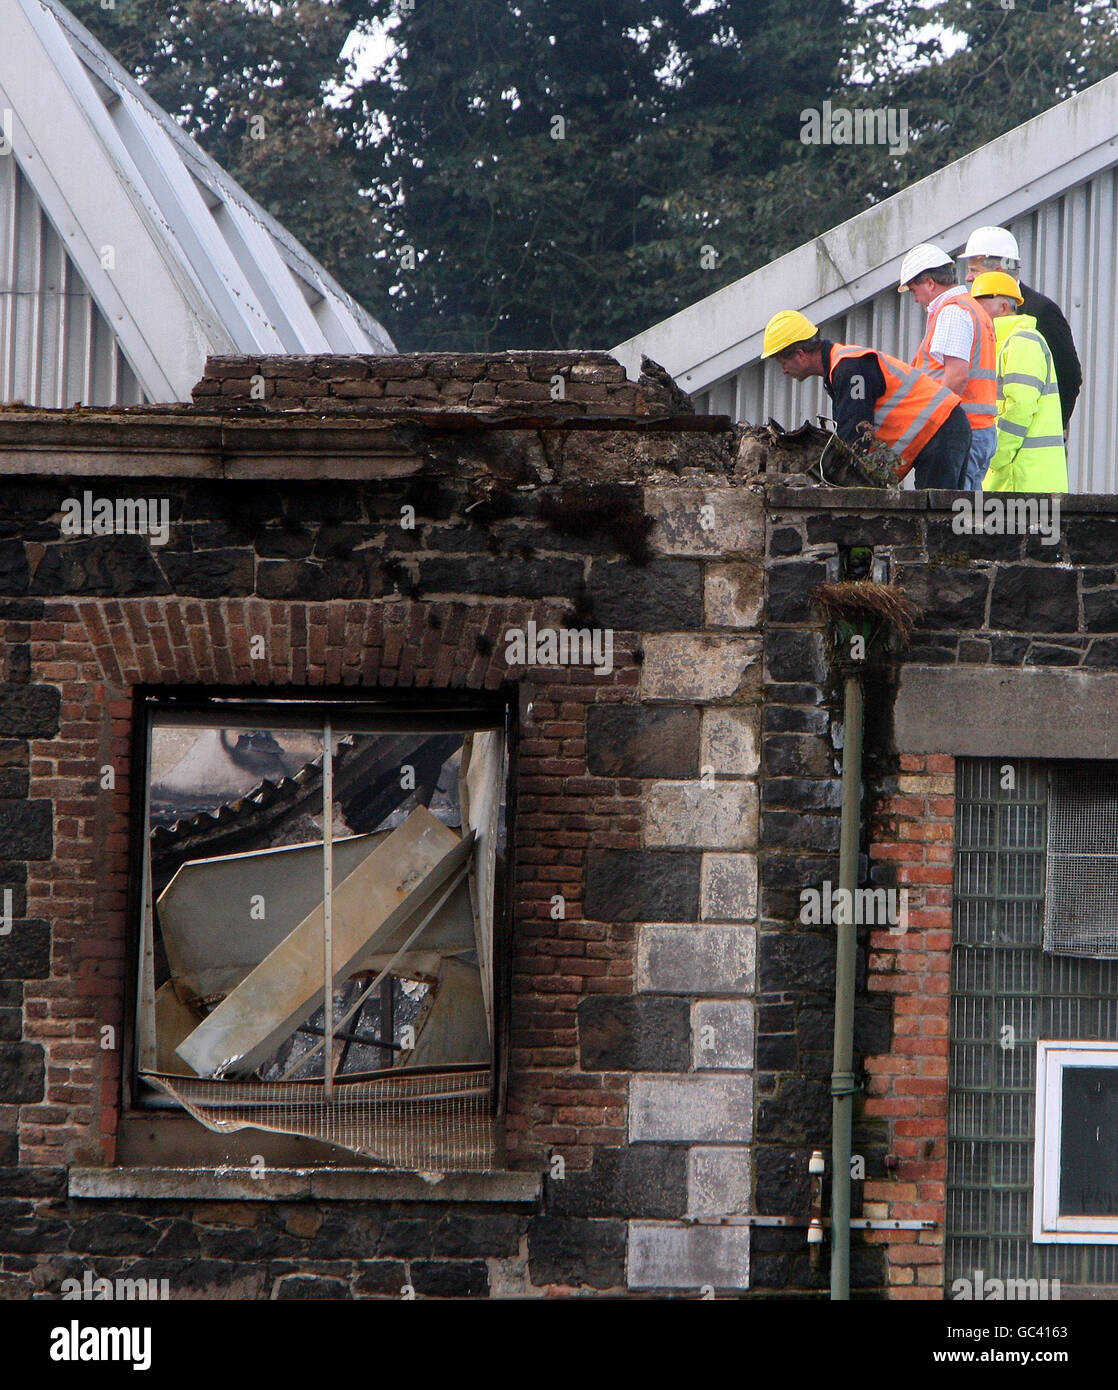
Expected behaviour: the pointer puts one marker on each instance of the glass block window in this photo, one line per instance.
(1008, 993)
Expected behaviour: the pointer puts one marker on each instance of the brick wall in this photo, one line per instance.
(562, 384)
(911, 838)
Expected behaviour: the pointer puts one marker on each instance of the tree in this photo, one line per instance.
(550, 173)
(552, 170)
(1013, 62)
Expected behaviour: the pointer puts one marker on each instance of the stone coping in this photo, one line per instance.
(813, 497)
(237, 1184)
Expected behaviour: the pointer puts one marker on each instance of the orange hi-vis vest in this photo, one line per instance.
(980, 394)
(914, 404)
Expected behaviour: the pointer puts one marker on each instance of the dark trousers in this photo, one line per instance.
(942, 462)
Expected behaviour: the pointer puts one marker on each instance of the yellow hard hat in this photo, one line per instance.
(996, 282)
(784, 329)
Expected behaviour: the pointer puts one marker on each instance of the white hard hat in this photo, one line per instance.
(919, 259)
(992, 241)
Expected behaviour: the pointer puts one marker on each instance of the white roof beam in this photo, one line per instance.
(188, 220)
(267, 272)
(61, 138)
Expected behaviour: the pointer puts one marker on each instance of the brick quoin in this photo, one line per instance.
(913, 830)
(98, 651)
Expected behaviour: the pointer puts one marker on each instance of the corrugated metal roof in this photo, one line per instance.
(127, 256)
(1053, 181)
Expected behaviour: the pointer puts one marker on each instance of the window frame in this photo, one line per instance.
(1049, 1226)
(373, 711)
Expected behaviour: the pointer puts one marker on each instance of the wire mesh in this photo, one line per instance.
(1082, 862)
(432, 1121)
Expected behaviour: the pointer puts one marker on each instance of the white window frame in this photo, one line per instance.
(1049, 1226)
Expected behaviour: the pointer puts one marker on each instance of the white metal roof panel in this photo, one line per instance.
(126, 254)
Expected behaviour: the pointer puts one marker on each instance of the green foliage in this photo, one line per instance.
(681, 131)
(666, 118)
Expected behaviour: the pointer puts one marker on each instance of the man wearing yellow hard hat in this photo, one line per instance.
(1030, 456)
(995, 248)
(911, 412)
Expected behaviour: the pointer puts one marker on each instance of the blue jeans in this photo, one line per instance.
(983, 446)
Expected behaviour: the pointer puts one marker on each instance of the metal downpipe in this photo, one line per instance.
(842, 1073)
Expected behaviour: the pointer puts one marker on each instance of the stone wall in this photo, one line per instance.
(631, 1017)
(999, 613)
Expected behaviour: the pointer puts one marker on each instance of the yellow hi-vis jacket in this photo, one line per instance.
(1030, 456)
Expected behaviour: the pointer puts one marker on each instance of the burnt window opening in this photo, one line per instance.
(290, 842)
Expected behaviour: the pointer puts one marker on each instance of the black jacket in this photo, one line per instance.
(1053, 327)
(853, 402)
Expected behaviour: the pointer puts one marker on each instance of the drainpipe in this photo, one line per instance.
(842, 1073)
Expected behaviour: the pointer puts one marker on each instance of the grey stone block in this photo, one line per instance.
(729, 741)
(930, 698)
(714, 815)
(719, 1181)
(692, 669)
(711, 521)
(734, 595)
(663, 1256)
(729, 888)
(696, 960)
(703, 1109)
(722, 1035)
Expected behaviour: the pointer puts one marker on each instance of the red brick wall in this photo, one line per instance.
(913, 829)
(96, 651)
